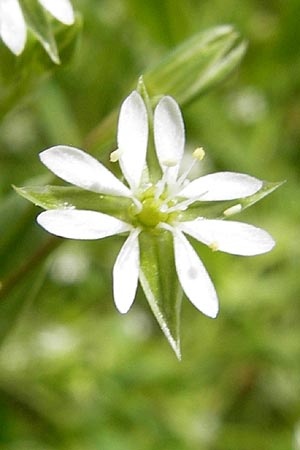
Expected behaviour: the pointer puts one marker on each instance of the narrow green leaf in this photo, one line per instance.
(160, 283)
(59, 197)
(37, 19)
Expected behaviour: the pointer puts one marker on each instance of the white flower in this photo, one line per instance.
(13, 26)
(162, 205)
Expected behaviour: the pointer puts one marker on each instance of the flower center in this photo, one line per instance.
(150, 215)
(153, 210)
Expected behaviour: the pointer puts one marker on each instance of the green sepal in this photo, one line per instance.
(267, 188)
(60, 197)
(160, 283)
(215, 209)
(37, 20)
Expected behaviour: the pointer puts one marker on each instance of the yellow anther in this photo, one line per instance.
(233, 210)
(114, 156)
(199, 153)
(214, 246)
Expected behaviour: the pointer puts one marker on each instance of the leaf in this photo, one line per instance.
(60, 197)
(37, 19)
(160, 284)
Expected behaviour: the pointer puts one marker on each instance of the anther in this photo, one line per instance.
(214, 246)
(233, 210)
(115, 155)
(164, 208)
(170, 162)
(198, 153)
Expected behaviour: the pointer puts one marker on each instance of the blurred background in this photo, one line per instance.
(77, 375)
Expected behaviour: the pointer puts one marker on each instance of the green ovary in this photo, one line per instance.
(150, 216)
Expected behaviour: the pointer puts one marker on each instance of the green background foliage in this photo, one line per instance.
(74, 373)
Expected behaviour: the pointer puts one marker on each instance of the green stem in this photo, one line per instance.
(12, 280)
(22, 404)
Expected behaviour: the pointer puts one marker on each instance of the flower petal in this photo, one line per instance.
(81, 224)
(194, 278)
(126, 273)
(133, 138)
(221, 186)
(62, 10)
(169, 136)
(79, 168)
(231, 237)
(12, 26)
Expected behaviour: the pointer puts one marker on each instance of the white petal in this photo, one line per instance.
(133, 138)
(232, 237)
(12, 25)
(81, 224)
(80, 168)
(126, 273)
(62, 10)
(194, 278)
(221, 186)
(169, 136)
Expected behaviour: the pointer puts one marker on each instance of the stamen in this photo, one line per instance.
(182, 206)
(164, 208)
(138, 204)
(170, 162)
(183, 177)
(166, 226)
(198, 153)
(214, 246)
(160, 185)
(233, 210)
(115, 155)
